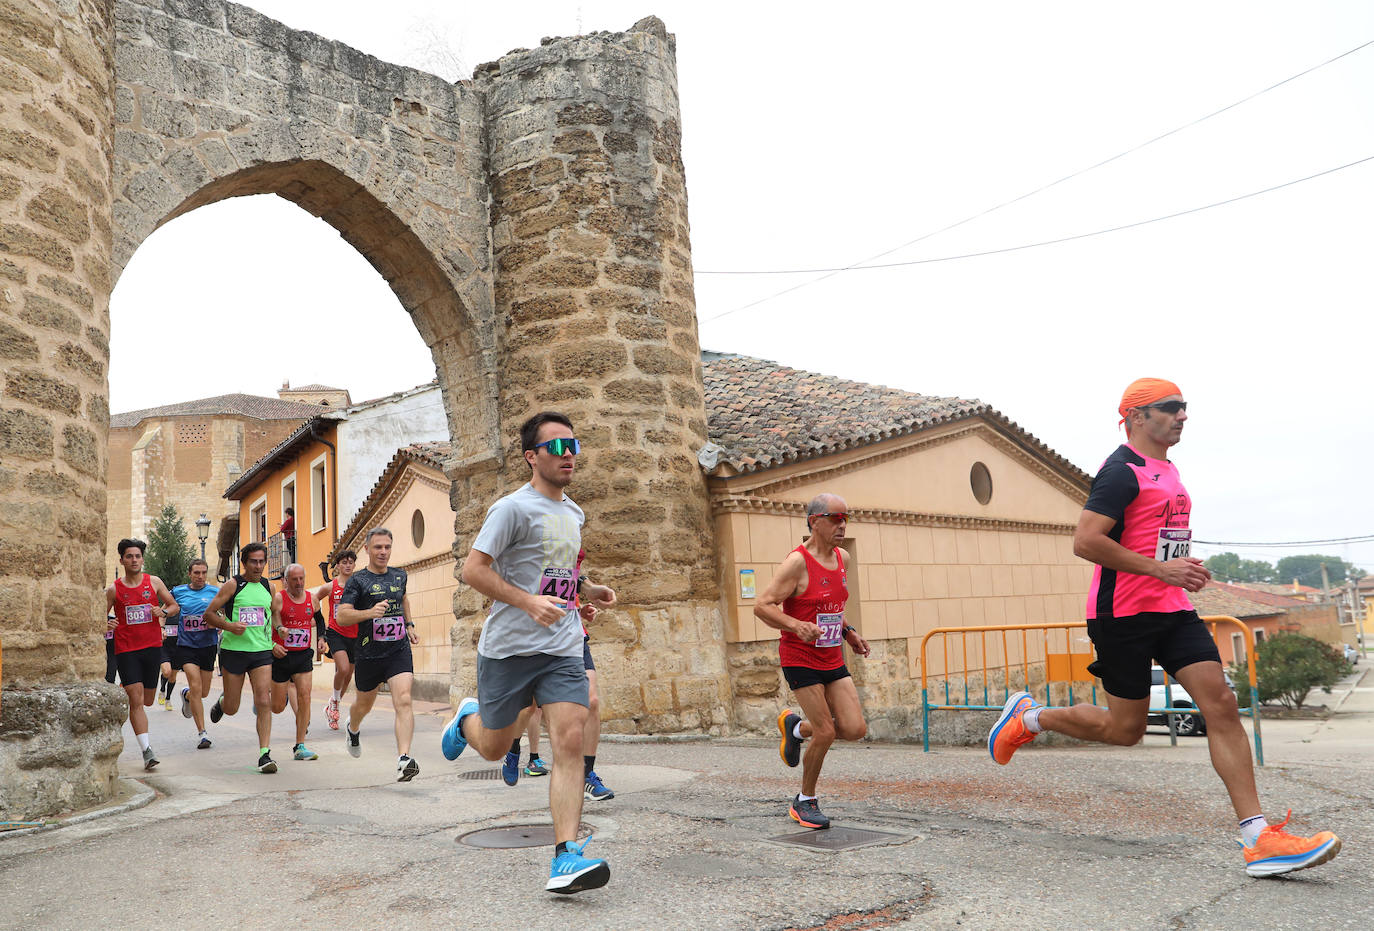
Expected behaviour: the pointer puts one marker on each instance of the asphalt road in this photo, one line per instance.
(1063, 838)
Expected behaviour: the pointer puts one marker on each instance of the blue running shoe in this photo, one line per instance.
(595, 790)
(510, 768)
(453, 742)
(571, 872)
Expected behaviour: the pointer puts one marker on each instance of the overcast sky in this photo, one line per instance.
(820, 135)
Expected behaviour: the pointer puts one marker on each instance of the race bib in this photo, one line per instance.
(1173, 544)
(559, 582)
(389, 628)
(192, 623)
(138, 614)
(254, 616)
(169, 630)
(297, 638)
(832, 629)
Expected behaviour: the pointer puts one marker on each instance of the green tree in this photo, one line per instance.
(169, 554)
(1307, 569)
(1287, 667)
(1228, 567)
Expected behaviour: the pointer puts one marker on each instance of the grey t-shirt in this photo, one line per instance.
(533, 542)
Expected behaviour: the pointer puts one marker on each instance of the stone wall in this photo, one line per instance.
(595, 317)
(57, 742)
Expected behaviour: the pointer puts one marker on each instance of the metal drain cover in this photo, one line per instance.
(481, 774)
(839, 838)
(517, 835)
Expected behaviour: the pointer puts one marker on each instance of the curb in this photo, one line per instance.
(1351, 690)
(142, 795)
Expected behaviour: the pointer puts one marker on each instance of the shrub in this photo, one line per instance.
(1287, 667)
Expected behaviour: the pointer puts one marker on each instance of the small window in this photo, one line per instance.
(319, 502)
(192, 432)
(980, 480)
(257, 522)
(1259, 636)
(417, 528)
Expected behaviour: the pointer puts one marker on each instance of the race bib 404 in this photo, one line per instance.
(1173, 544)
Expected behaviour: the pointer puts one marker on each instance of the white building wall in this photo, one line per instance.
(371, 434)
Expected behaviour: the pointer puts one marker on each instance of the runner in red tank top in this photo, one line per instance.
(339, 643)
(293, 608)
(805, 601)
(139, 603)
(1135, 528)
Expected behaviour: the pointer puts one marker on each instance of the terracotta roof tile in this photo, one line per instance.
(764, 414)
(244, 405)
(1221, 598)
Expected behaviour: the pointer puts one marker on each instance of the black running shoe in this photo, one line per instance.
(204, 743)
(808, 814)
(790, 746)
(266, 764)
(216, 710)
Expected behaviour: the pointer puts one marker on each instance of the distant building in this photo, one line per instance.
(1266, 614)
(411, 499)
(324, 470)
(185, 454)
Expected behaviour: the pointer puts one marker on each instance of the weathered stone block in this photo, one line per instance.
(42, 391)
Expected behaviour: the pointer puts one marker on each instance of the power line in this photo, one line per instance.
(1049, 242)
(1044, 187)
(1363, 538)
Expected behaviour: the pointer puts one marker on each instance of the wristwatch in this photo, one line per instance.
(848, 628)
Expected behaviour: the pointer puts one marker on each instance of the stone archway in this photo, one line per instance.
(532, 220)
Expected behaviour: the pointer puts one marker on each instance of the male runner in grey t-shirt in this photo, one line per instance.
(525, 560)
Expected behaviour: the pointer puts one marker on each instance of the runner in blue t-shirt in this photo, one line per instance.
(196, 645)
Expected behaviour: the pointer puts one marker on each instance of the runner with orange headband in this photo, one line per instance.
(1135, 528)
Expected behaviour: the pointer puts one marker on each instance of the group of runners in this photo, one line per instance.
(265, 638)
(533, 656)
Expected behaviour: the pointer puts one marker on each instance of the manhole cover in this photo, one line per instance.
(518, 835)
(839, 838)
(481, 774)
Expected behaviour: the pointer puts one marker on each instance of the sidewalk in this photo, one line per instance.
(1063, 837)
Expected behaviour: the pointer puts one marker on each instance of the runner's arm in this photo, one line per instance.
(110, 622)
(1091, 541)
(214, 615)
(789, 579)
(170, 608)
(410, 624)
(479, 574)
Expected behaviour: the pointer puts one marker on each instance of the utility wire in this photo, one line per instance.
(1043, 187)
(1046, 242)
(1363, 538)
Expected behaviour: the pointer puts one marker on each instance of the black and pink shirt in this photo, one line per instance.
(1151, 507)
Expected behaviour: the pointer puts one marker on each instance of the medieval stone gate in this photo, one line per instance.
(532, 220)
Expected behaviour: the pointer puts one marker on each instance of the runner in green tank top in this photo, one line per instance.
(245, 646)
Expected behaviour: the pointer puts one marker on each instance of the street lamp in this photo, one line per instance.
(203, 531)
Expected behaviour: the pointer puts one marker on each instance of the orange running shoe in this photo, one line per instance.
(789, 747)
(1010, 732)
(1276, 851)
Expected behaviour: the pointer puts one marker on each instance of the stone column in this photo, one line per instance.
(596, 318)
(58, 737)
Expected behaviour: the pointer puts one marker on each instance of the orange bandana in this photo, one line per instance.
(1144, 391)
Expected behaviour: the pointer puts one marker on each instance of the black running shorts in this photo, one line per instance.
(368, 674)
(799, 677)
(238, 662)
(338, 643)
(139, 666)
(1126, 645)
(204, 657)
(292, 664)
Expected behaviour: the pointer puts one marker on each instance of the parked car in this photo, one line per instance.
(1185, 724)
(1352, 655)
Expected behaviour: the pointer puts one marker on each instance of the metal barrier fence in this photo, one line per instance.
(1068, 668)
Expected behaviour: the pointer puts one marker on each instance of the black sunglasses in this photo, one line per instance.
(1168, 407)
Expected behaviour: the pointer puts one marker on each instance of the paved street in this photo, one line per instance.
(1064, 837)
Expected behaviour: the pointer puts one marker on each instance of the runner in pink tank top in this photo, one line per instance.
(1135, 528)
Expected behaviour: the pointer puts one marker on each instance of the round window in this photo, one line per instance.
(980, 480)
(417, 527)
